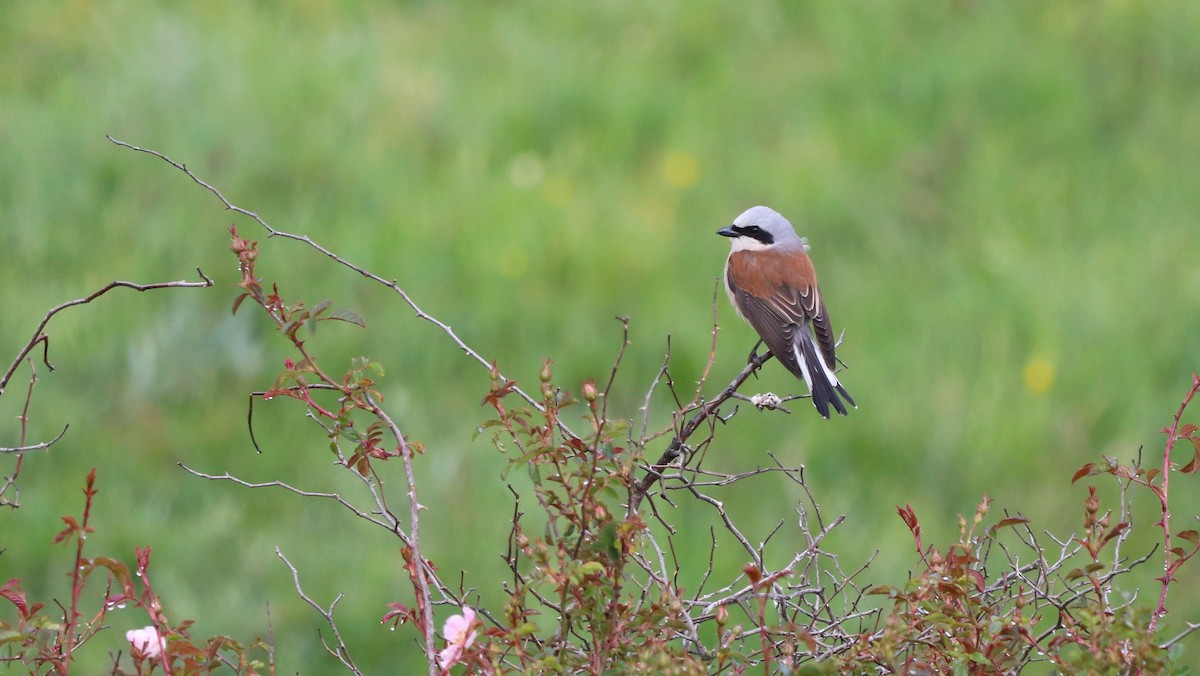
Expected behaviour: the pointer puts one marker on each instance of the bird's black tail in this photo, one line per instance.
(823, 385)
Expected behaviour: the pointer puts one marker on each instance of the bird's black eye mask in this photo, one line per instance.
(754, 232)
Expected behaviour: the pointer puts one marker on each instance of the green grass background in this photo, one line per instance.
(988, 187)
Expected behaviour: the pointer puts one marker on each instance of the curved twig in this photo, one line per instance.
(39, 335)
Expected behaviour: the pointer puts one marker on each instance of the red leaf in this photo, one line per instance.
(1192, 466)
(1122, 472)
(1116, 530)
(977, 577)
(753, 573)
(143, 559)
(910, 518)
(237, 302)
(71, 529)
(1188, 429)
(12, 591)
(1191, 536)
(1086, 470)
(1010, 521)
(399, 614)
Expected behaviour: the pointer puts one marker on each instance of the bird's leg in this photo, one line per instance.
(754, 351)
(753, 356)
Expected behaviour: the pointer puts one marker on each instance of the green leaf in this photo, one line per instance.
(347, 316)
(591, 568)
(608, 540)
(526, 629)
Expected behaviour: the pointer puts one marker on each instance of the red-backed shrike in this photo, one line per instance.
(773, 286)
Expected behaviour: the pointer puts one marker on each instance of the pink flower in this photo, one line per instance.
(460, 634)
(146, 642)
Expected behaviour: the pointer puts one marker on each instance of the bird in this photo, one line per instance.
(773, 286)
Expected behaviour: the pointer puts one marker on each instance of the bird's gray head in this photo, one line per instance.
(761, 228)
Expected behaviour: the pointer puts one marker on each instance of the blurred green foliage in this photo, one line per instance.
(1001, 197)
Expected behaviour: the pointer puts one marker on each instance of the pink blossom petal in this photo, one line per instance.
(145, 641)
(449, 656)
(459, 636)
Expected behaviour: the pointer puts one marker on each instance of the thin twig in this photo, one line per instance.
(35, 447)
(225, 476)
(689, 428)
(39, 335)
(340, 651)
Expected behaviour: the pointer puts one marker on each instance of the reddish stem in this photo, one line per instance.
(77, 577)
(1162, 492)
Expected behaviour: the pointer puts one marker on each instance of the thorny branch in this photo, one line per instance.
(1172, 556)
(391, 284)
(678, 443)
(704, 411)
(411, 538)
(818, 610)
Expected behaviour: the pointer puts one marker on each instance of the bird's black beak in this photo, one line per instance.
(728, 231)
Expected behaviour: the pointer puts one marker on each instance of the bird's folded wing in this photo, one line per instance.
(776, 320)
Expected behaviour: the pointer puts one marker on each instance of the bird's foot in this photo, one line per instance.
(754, 352)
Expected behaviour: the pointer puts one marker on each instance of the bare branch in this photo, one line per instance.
(39, 335)
(225, 476)
(1191, 629)
(391, 284)
(677, 444)
(35, 447)
(339, 650)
